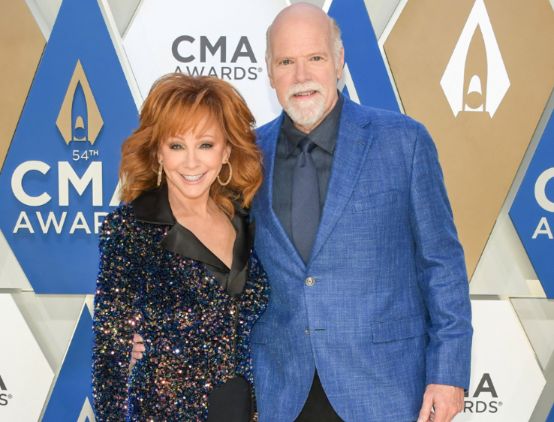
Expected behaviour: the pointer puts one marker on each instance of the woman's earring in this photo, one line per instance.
(160, 170)
(230, 175)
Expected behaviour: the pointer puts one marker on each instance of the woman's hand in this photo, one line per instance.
(138, 350)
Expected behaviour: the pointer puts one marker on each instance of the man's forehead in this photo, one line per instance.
(302, 38)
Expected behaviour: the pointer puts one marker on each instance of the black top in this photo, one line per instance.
(231, 401)
(153, 207)
(324, 136)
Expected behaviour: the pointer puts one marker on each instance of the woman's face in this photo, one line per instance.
(192, 160)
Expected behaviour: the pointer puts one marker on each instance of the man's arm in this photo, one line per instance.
(443, 281)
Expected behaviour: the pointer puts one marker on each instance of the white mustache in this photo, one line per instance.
(303, 87)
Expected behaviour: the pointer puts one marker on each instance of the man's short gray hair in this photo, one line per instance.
(336, 41)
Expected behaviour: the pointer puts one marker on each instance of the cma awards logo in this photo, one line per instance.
(5, 396)
(59, 178)
(532, 211)
(543, 228)
(235, 60)
(484, 399)
(475, 79)
(79, 122)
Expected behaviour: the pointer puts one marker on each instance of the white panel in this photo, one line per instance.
(151, 56)
(318, 3)
(11, 274)
(380, 12)
(123, 11)
(502, 363)
(52, 320)
(537, 318)
(504, 268)
(26, 375)
(45, 12)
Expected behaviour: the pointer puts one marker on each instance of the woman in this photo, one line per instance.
(176, 261)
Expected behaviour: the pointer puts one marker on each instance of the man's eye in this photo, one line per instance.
(317, 58)
(285, 62)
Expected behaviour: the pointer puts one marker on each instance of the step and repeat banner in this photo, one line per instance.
(479, 85)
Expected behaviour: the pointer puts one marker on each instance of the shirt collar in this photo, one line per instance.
(323, 135)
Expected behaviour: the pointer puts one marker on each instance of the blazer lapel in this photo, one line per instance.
(353, 141)
(268, 143)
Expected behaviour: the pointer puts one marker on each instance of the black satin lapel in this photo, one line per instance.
(182, 241)
(153, 207)
(241, 251)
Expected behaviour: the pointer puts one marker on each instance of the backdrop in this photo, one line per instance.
(478, 73)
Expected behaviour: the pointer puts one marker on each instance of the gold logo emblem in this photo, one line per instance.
(79, 119)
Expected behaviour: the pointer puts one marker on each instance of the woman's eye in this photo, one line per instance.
(206, 145)
(175, 146)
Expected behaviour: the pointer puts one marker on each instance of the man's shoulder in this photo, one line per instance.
(380, 118)
(390, 129)
(269, 128)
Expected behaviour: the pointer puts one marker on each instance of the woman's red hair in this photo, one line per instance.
(176, 104)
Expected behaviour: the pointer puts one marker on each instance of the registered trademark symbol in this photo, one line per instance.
(260, 70)
(500, 403)
(10, 396)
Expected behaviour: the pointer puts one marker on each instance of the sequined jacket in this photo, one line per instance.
(196, 334)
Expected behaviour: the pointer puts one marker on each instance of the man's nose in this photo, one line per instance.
(301, 73)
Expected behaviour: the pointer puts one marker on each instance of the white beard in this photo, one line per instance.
(308, 112)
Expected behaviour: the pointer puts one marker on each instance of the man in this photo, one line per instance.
(369, 315)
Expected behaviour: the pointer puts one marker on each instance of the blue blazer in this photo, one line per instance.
(389, 310)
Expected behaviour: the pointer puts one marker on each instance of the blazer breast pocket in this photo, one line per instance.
(381, 201)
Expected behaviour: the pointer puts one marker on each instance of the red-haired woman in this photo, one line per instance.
(176, 263)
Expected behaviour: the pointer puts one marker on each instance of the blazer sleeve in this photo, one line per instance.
(441, 269)
(115, 320)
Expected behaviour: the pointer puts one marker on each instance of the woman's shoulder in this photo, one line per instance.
(119, 217)
(118, 223)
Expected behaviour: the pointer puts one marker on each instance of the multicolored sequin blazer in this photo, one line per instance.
(196, 334)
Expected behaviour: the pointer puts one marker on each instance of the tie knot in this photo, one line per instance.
(306, 145)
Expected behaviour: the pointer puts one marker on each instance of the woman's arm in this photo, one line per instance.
(115, 319)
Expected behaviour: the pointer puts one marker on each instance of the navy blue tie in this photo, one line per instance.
(305, 200)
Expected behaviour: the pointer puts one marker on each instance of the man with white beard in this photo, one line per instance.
(369, 316)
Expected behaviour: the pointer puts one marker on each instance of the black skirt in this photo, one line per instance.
(231, 402)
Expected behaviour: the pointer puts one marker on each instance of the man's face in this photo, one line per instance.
(303, 68)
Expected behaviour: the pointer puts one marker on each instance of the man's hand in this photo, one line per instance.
(138, 350)
(441, 403)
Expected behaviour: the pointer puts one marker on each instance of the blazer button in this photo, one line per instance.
(310, 281)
